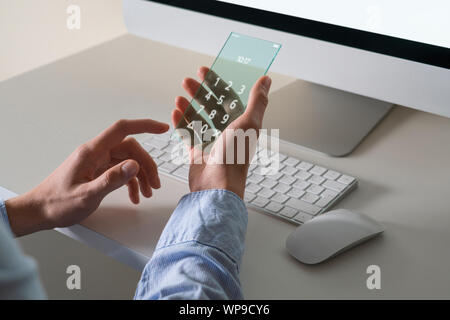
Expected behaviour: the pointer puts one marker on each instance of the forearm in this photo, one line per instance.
(200, 251)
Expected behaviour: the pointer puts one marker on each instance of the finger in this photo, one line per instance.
(130, 149)
(206, 103)
(177, 118)
(148, 175)
(217, 84)
(113, 135)
(202, 72)
(182, 104)
(179, 121)
(113, 179)
(144, 184)
(194, 88)
(133, 190)
(199, 93)
(233, 104)
(258, 100)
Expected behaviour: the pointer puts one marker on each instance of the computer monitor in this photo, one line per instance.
(353, 58)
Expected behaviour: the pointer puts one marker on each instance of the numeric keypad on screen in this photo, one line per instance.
(216, 104)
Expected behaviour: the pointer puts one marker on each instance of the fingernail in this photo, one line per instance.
(267, 82)
(129, 169)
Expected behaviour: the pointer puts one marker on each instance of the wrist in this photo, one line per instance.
(26, 215)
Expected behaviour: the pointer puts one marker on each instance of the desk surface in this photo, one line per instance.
(402, 167)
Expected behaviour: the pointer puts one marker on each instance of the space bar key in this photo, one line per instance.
(303, 206)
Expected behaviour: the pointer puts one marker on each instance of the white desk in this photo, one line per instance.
(403, 168)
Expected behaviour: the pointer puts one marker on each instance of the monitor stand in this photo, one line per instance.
(327, 120)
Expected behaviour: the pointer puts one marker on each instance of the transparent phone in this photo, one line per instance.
(223, 95)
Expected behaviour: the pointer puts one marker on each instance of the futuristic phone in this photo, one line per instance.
(223, 95)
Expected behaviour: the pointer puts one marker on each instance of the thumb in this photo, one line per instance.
(258, 99)
(114, 178)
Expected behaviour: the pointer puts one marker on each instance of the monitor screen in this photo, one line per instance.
(414, 30)
(422, 21)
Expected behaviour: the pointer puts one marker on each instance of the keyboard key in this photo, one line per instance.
(177, 158)
(181, 173)
(303, 206)
(155, 153)
(162, 137)
(286, 179)
(167, 167)
(264, 160)
(295, 193)
(346, 179)
(324, 201)
(166, 157)
(316, 179)
(333, 185)
(318, 170)
(291, 161)
(249, 196)
(158, 161)
(289, 170)
(167, 149)
(266, 193)
(274, 160)
(302, 185)
(260, 202)
(275, 176)
(315, 189)
(147, 147)
(305, 166)
(273, 206)
(329, 193)
(280, 198)
(255, 178)
(331, 175)
(269, 183)
(282, 188)
(177, 144)
(303, 217)
(310, 198)
(303, 175)
(254, 188)
(280, 156)
(264, 151)
(159, 144)
(288, 212)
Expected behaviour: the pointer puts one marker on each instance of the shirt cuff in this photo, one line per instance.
(216, 218)
(3, 214)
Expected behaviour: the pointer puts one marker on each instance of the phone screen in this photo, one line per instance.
(223, 95)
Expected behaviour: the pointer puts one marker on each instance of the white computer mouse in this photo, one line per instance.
(329, 234)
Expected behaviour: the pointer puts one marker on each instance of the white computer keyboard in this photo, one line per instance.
(298, 192)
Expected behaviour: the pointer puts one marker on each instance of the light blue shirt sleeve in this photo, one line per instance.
(18, 273)
(3, 214)
(199, 252)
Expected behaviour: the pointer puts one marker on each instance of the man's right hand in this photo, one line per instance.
(78, 186)
(230, 177)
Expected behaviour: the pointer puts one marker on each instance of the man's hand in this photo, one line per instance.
(75, 189)
(225, 176)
